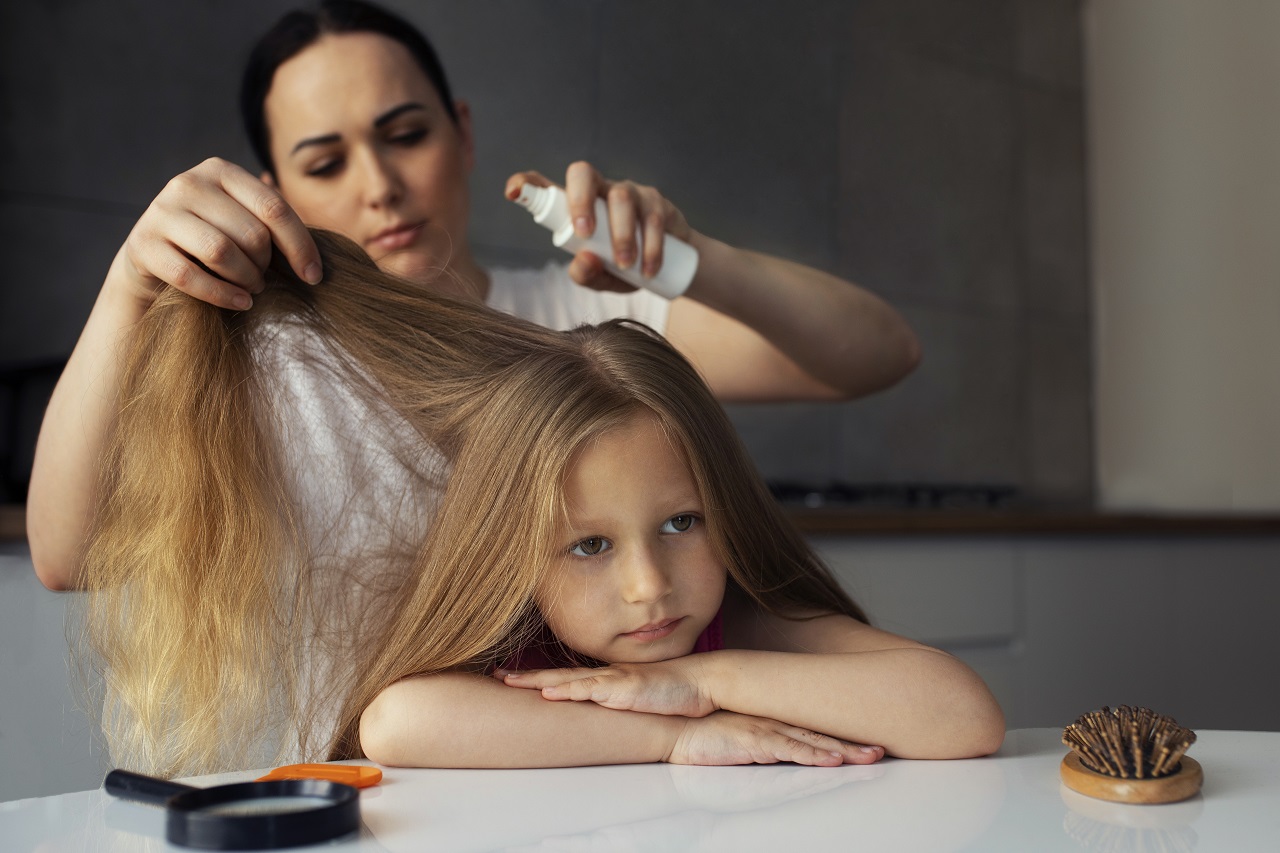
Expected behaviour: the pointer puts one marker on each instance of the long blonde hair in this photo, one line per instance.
(200, 577)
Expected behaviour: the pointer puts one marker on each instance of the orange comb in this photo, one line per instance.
(355, 775)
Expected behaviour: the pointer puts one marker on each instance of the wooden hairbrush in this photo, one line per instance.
(1130, 755)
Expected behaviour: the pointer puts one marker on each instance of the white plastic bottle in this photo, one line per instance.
(550, 209)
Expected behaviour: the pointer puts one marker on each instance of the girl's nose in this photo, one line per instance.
(644, 579)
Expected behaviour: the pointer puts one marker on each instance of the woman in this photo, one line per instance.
(360, 134)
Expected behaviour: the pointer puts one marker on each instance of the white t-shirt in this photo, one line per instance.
(550, 298)
(362, 482)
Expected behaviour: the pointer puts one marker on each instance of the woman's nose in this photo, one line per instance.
(645, 578)
(382, 184)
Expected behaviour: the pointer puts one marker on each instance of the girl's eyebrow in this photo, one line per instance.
(382, 120)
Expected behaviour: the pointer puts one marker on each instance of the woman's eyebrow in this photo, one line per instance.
(395, 112)
(382, 120)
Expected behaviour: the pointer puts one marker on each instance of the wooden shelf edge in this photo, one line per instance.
(1042, 522)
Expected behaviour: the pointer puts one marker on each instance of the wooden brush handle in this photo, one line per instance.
(1167, 789)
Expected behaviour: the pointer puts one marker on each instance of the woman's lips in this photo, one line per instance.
(656, 631)
(396, 238)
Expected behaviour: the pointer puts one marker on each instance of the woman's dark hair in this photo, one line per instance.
(300, 29)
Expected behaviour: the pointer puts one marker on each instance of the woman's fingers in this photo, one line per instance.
(623, 202)
(210, 233)
(209, 245)
(582, 186)
(653, 225)
(283, 226)
(519, 179)
(176, 268)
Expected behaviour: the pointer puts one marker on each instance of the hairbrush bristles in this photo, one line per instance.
(1129, 743)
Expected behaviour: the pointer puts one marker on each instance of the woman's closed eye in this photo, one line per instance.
(680, 523)
(325, 168)
(592, 546)
(408, 137)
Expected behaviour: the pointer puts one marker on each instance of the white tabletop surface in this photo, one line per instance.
(1012, 801)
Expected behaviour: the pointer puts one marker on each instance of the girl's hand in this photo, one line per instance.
(632, 206)
(726, 737)
(675, 687)
(209, 233)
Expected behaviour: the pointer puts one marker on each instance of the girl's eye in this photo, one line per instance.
(679, 523)
(590, 547)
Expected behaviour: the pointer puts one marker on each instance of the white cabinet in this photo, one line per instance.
(1059, 626)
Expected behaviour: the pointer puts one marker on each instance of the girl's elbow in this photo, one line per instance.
(385, 730)
(375, 742)
(53, 574)
(983, 727)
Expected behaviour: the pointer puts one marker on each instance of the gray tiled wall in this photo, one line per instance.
(931, 150)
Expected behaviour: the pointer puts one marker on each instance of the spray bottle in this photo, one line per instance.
(550, 209)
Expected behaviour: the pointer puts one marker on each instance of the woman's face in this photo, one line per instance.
(363, 145)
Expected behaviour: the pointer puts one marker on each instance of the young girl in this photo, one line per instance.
(605, 511)
(568, 498)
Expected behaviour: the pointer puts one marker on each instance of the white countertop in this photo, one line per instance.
(1012, 801)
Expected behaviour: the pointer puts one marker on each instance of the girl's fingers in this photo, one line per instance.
(856, 754)
(548, 677)
(830, 750)
(579, 690)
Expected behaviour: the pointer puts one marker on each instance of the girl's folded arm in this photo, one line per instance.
(846, 679)
(466, 720)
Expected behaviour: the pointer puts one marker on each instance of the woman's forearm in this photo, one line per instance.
(845, 338)
(461, 720)
(73, 434)
(915, 702)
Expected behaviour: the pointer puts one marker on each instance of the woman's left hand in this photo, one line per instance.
(674, 687)
(631, 206)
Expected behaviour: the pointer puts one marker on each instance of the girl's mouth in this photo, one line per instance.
(655, 631)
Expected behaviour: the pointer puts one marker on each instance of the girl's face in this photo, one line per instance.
(636, 578)
(363, 145)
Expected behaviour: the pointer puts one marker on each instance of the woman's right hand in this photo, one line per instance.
(726, 737)
(209, 233)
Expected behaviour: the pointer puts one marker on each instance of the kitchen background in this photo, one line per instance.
(1049, 190)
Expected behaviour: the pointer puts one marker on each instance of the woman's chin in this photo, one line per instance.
(427, 270)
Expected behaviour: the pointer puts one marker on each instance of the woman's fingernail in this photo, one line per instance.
(312, 274)
(242, 301)
(624, 259)
(583, 226)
